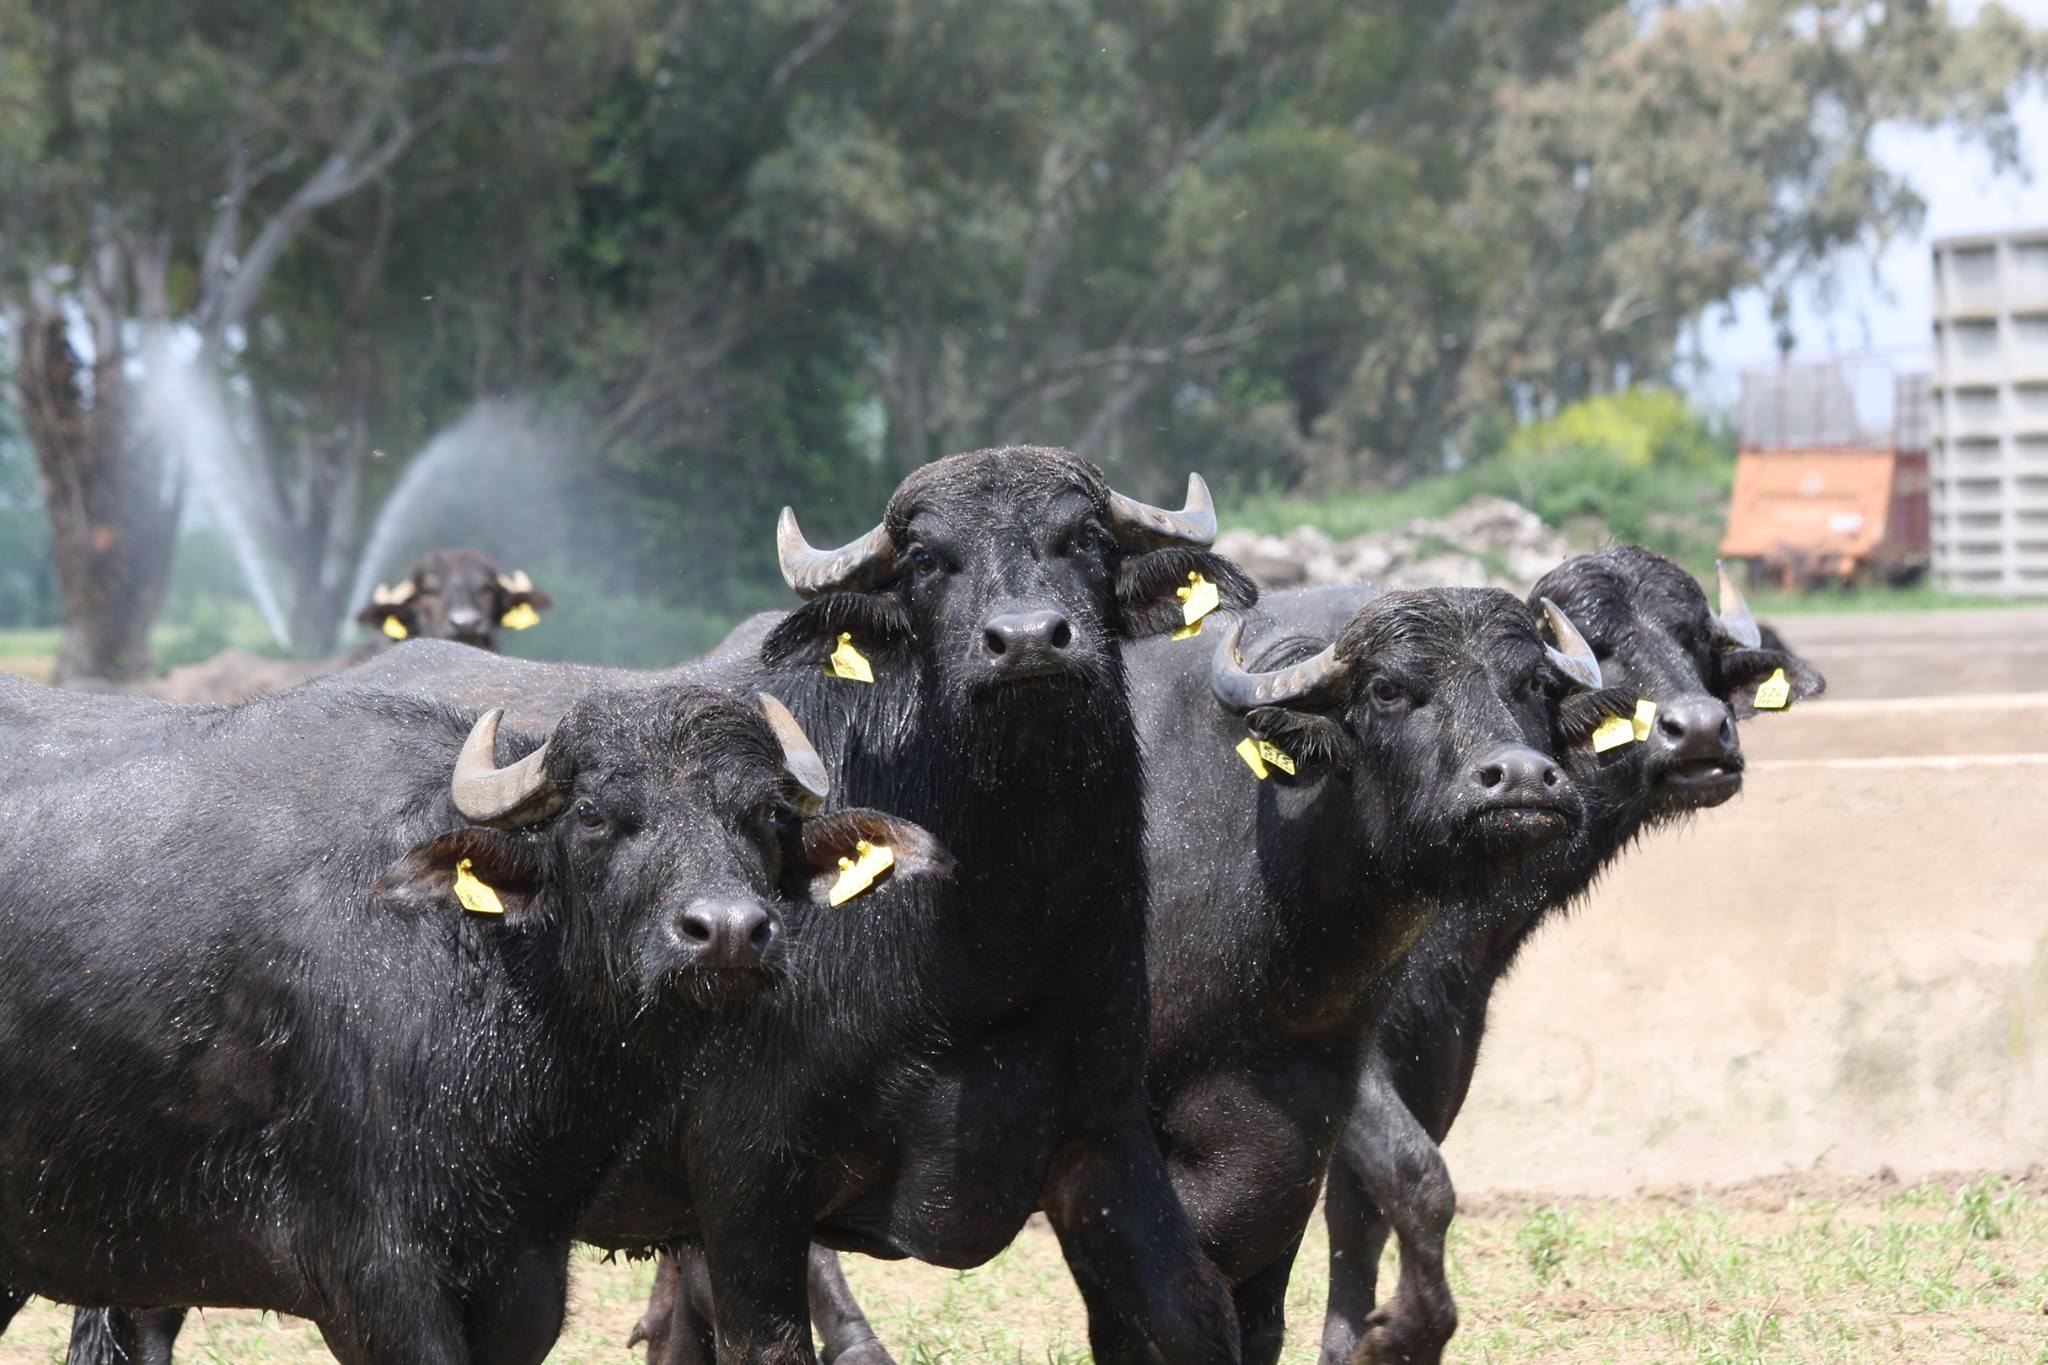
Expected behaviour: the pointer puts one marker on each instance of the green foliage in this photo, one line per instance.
(783, 251)
(1636, 428)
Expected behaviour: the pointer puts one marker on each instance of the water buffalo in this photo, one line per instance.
(1656, 638)
(1408, 761)
(342, 1003)
(944, 1058)
(449, 594)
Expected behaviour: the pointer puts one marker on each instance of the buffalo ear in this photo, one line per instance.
(1739, 672)
(378, 613)
(469, 871)
(1579, 714)
(828, 838)
(1146, 585)
(516, 590)
(877, 621)
(1312, 741)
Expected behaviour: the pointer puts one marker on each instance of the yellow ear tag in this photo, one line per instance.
(858, 874)
(850, 664)
(395, 628)
(476, 898)
(1646, 716)
(1614, 732)
(521, 617)
(1197, 600)
(1262, 756)
(1774, 693)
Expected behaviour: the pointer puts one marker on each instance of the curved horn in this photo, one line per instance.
(1194, 524)
(1572, 655)
(1734, 619)
(799, 759)
(486, 794)
(516, 581)
(394, 597)
(1241, 690)
(810, 572)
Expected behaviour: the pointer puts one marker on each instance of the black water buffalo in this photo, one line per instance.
(316, 1007)
(449, 594)
(456, 594)
(1419, 743)
(1656, 638)
(942, 1059)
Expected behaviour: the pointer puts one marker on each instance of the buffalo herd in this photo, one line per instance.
(1032, 863)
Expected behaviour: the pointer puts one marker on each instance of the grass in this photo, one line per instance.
(1795, 1270)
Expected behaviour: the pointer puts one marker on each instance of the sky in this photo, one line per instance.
(1882, 302)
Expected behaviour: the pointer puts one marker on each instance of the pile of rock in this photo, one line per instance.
(1487, 542)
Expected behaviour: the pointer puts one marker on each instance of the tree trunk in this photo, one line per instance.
(113, 516)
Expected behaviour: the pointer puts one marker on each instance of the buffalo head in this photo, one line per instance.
(1658, 640)
(459, 595)
(663, 833)
(1442, 706)
(999, 569)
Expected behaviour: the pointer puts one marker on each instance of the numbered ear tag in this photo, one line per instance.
(476, 897)
(850, 664)
(521, 617)
(1261, 757)
(857, 874)
(1614, 732)
(1197, 599)
(395, 628)
(1645, 717)
(1774, 693)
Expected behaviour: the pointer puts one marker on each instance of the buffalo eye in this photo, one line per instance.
(1385, 692)
(1091, 538)
(588, 815)
(923, 562)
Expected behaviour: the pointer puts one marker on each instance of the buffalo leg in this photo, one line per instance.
(516, 1318)
(1262, 1310)
(757, 1272)
(843, 1329)
(385, 1321)
(115, 1336)
(1132, 1252)
(1388, 1157)
(677, 1325)
(1358, 1234)
(11, 1300)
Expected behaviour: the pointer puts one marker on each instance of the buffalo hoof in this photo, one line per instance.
(1392, 1339)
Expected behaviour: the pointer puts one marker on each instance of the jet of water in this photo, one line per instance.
(443, 476)
(185, 410)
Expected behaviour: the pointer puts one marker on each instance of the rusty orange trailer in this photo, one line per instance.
(1829, 513)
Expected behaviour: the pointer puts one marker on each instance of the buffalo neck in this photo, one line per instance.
(1036, 789)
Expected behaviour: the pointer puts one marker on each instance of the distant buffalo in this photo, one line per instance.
(450, 594)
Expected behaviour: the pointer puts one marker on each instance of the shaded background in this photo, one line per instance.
(625, 277)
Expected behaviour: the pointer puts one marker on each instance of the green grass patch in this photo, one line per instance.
(1954, 1271)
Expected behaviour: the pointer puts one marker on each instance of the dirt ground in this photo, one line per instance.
(1717, 1100)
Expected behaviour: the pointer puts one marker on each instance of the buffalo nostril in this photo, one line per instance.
(763, 934)
(1727, 730)
(994, 640)
(1551, 777)
(694, 927)
(1062, 634)
(1492, 775)
(1671, 726)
